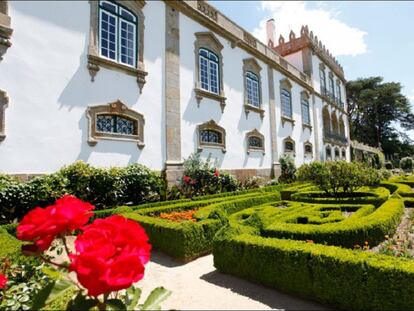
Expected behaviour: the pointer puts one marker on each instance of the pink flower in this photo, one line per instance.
(3, 281)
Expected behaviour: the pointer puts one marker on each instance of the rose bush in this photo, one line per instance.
(110, 255)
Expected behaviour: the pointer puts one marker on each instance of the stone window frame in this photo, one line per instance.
(334, 123)
(255, 133)
(4, 102)
(341, 126)
(338, 98)
(95, 61)
(251, 65)
(115, 108)
(308, 153)
(336, 149)
(290, 152)
(207, 40)
(211, 125)
(331, 77)
(5, 28)
(304, 95)
(287, 85)
(343, 153)
(326, 119)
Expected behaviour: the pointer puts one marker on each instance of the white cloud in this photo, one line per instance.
(337, 36)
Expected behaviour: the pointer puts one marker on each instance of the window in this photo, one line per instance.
(289, 146)
(116, 39)
(252, 85)
(117, 33)
(107, 123)
(211, 135)
(4, 101)
(338, 94)
(322, 77)
(343, 154)
(331, 86)
(336, 153)
(255, 141)
(115, 121)
(286, 103)
(209, 71)
(308, 148)
(305, 111)
(209, 68)
(328, 151)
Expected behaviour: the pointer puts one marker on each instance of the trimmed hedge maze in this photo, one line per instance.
(189, 239)
(304, 246)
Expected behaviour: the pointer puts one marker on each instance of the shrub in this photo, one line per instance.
(335, 176)
(253, 182)
(200, 178)
(388, 165)
(288, 169)
(344, 278)
(406, 164)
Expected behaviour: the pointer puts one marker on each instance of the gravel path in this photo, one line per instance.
(198, 285)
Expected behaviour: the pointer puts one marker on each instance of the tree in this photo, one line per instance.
(375, 108)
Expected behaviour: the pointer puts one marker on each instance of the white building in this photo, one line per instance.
(120, 82)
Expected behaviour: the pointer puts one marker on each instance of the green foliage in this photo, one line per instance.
(288, 169)
(407, 164)
(343, 278)
(201, 178)
(338, 176)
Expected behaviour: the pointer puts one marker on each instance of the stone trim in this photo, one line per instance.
(272, 121)
(307, 144)
(173, 161)
(288, 152)
(250, 64)
(316, 131)
(210, 42)
(255, 133)
(211, 125)
(95, 61)
(5, 28)
(4, 101)
(119, 109)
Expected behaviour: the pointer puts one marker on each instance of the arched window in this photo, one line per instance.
(337, 153)
(338, 94)
(341, 127)
(305, 111)
(253, 90)
(322, 77)
(255, 141)
(286, 103)
(328, 152)
(209, 71)
(115, 121)
(211, 135)
(117, 33)
(308, 150)
(331, 87)
(335, 129)
(326, 120)
(112, 123)
(289, 146)
(344, 154)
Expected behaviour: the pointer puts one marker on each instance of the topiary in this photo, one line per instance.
(406, 164)
(288, 169)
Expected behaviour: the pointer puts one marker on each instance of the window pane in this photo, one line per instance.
(105, 123)
(214, 77)
(108, 35)
(305, 112)
(286, 104)
(255, 142)
(127, 15)
(252, 84)
(289, 146)
(109, 6)
(125, 126)
(128, 36)
(204, 73)
(210, 136)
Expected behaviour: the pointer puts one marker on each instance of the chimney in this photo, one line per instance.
(270, 32)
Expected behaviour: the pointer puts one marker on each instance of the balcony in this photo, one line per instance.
(335, 137)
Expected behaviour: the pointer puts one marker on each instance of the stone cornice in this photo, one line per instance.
(210, 17)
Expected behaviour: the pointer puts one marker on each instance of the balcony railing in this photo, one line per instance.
(335, 137)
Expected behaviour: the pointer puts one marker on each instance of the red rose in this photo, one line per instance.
(42, 225)
(110, 255)
(3, 281)
(216, 173)
(186, 179)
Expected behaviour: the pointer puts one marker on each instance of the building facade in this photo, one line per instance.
(119, 82)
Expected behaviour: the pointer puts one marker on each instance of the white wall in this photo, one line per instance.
(45, 76)
(233, 120)
(296, 59)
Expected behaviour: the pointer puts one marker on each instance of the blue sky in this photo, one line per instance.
(368, 38)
